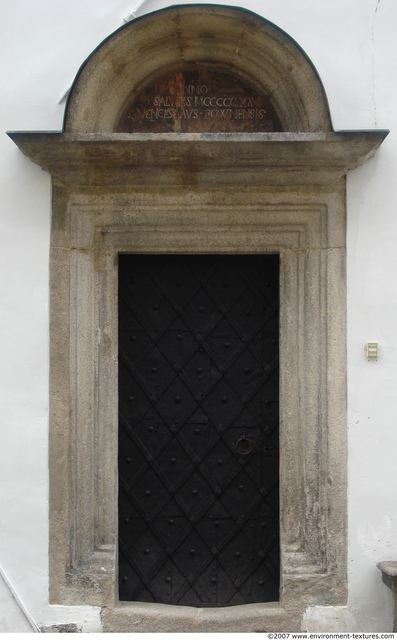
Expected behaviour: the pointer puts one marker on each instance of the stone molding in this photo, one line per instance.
(88, 233)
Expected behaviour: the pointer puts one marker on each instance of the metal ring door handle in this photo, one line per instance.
(244, 446)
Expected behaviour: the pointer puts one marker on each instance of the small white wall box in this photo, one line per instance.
(372, 350)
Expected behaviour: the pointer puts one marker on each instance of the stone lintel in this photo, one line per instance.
(130, 159)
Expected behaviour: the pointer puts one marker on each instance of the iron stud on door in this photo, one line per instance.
(202, 431)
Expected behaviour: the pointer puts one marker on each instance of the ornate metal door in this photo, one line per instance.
(198, 443)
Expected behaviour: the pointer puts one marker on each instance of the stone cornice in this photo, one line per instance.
(192, 159)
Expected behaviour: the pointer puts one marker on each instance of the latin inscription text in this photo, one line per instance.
(200, 100)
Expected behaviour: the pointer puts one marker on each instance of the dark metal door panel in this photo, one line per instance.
(198, 429)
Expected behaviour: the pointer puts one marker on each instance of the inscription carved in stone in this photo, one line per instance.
(199, 101)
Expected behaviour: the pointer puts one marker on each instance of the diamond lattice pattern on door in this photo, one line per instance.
(198, 443)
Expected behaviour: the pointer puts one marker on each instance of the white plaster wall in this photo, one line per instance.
(353, 46)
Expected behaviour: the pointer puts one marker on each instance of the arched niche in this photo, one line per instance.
(190, 37)
(279, 192)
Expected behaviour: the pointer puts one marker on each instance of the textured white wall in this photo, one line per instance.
(353, 46)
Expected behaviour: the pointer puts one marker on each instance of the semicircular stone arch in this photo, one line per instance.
(233, 41)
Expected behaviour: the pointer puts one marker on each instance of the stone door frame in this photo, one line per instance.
(307, 230)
